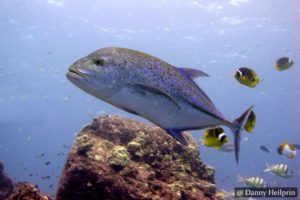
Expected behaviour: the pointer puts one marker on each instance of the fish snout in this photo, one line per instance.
(226, 140)
(80, 71)
(74, 69)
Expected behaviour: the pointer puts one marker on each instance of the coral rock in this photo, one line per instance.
(6, 184)
(27, 191)
(119, 158)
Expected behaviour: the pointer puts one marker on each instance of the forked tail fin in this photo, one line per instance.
(268, 168)
(236, 129)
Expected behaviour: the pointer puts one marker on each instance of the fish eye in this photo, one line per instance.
(223, 138)
(99, 62)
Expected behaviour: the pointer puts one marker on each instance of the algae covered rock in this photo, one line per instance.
(84, 144)
(120, 158)
(26, 190)
(18, 191)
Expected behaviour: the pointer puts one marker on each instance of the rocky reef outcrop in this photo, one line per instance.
(6, 184)
(28, 191)
(120, 158)
(18, 191)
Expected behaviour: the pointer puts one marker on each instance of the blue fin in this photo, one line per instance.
(177, 134)
(192, 73)
(236, 129)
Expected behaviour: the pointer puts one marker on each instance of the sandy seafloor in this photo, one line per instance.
(41, 111)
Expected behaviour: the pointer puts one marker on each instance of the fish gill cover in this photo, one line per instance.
(41, 112)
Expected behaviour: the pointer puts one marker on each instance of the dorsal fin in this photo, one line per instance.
(192, 73)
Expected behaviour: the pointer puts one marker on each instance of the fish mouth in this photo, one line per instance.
(74, 70)
(73, 73)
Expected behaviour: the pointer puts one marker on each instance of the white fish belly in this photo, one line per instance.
(162, 111)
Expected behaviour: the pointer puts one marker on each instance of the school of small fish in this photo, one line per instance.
(246, 76)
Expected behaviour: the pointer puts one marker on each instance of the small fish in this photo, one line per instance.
(227, 147)
(28, 138)
(66, 99)
(255, 182)
(281, 170)
(213, 62)
(246, 139)
(223, 194)
(283, 63)
(243, 50)
(66, 147)
(297, 146)
(60, 154)
(40, 155)
(249, 126)
(48, 163)
(287, 150)
(215, 137)
(135, 81)
(246, 77)
(264, 148)
(220, 194)
(201, 142)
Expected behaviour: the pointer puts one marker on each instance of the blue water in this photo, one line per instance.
(40, 110)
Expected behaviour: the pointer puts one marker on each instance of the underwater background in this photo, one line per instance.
(41, 111)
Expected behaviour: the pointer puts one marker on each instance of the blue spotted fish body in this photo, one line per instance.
(153, 89)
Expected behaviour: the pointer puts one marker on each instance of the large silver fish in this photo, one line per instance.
(151, 88)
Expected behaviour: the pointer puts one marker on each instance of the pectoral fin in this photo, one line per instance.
(129, 110)
(144, 88)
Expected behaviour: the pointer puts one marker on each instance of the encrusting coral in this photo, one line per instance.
(120, 158)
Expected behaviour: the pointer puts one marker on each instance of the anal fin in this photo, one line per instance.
(177, 134)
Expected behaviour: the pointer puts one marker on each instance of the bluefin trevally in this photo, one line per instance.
(153, 89)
